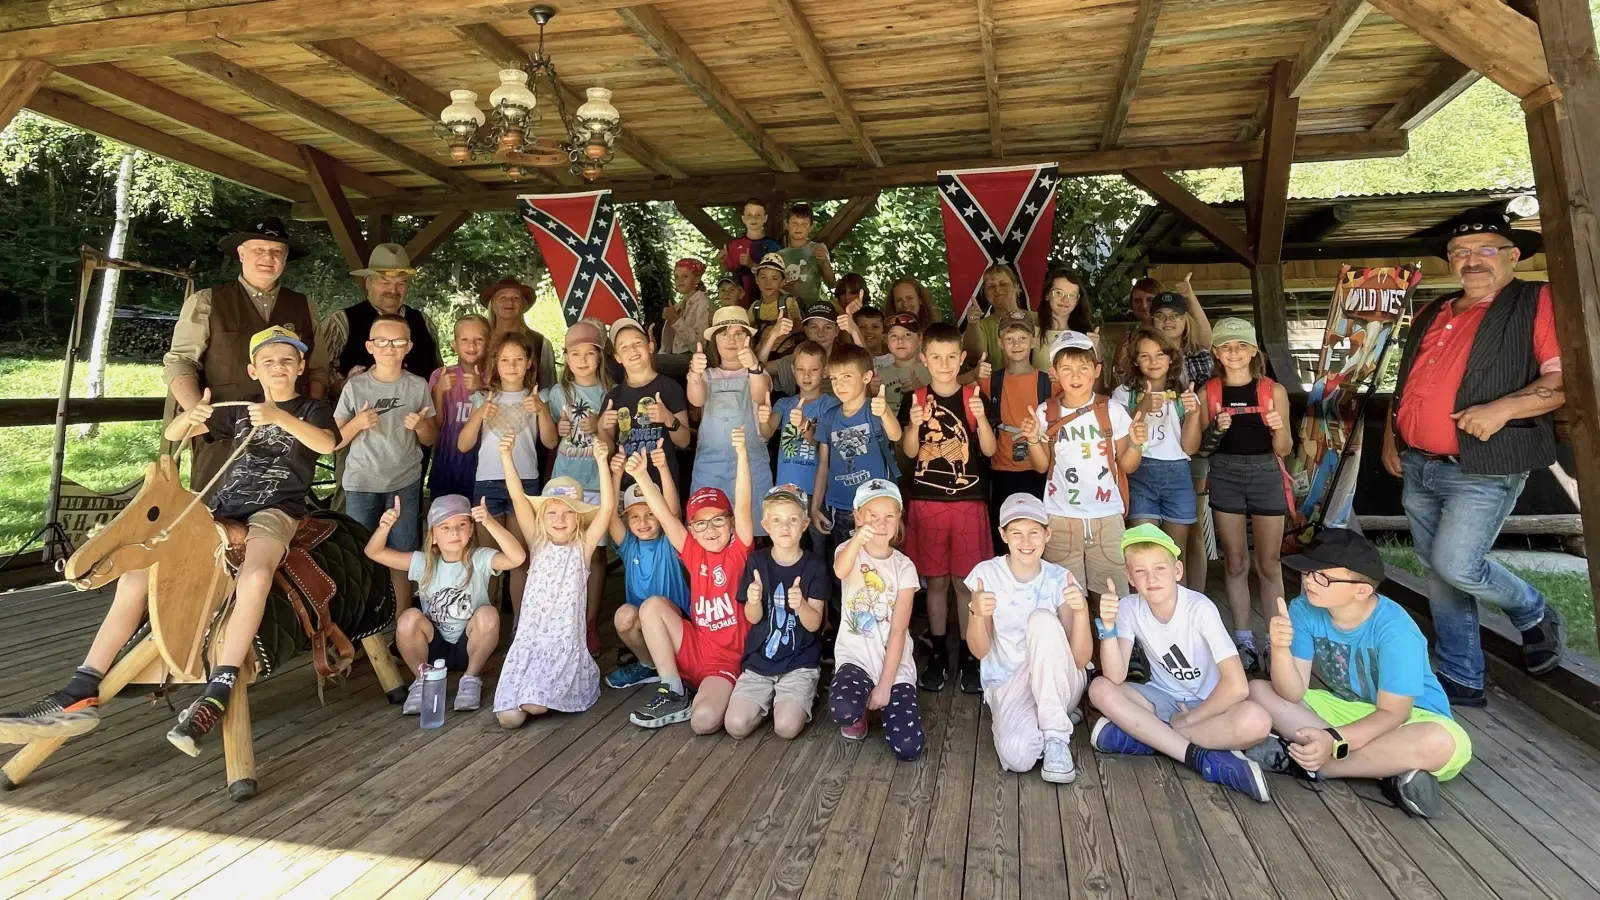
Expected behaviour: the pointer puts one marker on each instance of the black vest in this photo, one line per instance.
(1501, 361)
(421, 359)
(234, 320)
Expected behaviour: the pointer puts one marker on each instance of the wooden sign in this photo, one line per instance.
(84, 510)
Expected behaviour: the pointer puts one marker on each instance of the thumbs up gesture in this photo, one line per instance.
(764, 413)
(413, 419)
(1138, 430)
(755, 593)
(1190, 401)
(200, 412)
(736, 439)
(880, 404)
(1072, 596)
(985, 370)
(564, 427)
(919, 414)
(658, 456)
(1110, 602)
(747, 357)
(1273, 419)
(365, 418)
(1030, 429)
(795, 597)
(608, 419)
(698, 362)
(983, 601)
(975, 405)
(268, 413)
(390, 515)
(480, 513)
(1280, 631)
(797, 419)
(602, 452)
(659, 413)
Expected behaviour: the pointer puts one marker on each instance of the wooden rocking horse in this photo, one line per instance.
(325, 589)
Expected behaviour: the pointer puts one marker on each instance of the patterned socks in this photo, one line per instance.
(220, 687)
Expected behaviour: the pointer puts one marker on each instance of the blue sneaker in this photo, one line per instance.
(1233, 770)
(632, 674)
(1108, 738)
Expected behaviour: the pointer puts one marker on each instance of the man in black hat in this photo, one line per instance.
(1480, 375)
(210, 343)
(1383, 714)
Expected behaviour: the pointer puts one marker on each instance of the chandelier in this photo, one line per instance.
(507, 132)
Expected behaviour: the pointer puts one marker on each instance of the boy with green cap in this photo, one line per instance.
(1196, 706)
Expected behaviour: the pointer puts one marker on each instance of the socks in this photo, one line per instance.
(85, 683)
(675, 684)
(1191, 756)
(966, 652)
(220, 687)
(1245, 638)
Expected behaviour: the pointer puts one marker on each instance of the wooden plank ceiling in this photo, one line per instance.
(735, 91)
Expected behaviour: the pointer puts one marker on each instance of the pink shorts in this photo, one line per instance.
(945, 538)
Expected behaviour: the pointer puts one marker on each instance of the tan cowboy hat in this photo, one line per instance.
(507, 283)
(729, 317)
(566, 489)
(388, 259)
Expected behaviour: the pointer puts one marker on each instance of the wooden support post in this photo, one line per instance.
(238, 746)
(777, 209)
(708, 227)
(846, 219)
(335, 207)
(1562, 136)
(19, 79)
(1267, 205)
(991, 77)
(380, 229)
(437, 232)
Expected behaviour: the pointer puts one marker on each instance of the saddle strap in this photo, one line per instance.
(309, 590)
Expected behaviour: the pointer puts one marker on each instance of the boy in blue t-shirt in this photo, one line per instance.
(1384, 714)
(855, 441)
(650, 567)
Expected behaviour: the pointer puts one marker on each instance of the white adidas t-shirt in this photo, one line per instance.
(1184, 651)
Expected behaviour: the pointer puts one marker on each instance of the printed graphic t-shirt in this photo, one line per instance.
(866, 601)
(1166, 427)
(779, 643)
(275, 470)
(1082, 485)
(575, 453)
(636, 431)
(451, 471)
(797, 447)
(856, 452)
(714, 610)
(387, 456)
(451, 598)
(1014, 602)
(950, 464)
(652, 569)
(1385, 653)
(802, 272)
(1183, 651)
(513, 418)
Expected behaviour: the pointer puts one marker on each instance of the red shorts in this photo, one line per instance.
(945, 538)
(702, 656)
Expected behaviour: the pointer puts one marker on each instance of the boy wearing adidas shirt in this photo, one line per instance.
(1196, 706)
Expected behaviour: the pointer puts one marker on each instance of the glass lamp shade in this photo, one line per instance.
(512, 98)
(598, 109)
(463, 114)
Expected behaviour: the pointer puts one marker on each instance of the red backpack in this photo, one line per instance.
(920, 398)
(1264, 395)
(1101, 406)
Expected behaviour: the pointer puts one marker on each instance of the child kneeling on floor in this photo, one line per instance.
(456, 621)
(1030, 629)
(786, 591)
(1195, 707)
(1384, 714)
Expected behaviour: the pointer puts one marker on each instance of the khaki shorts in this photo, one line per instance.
(272, 523)
(798, 686)
(1090, 559)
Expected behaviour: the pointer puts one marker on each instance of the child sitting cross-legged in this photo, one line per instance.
(1383, 713)
(704, 650)
(1195, 707)
(650, 566)
(1030, 628)
(785, 593)
(456, 622)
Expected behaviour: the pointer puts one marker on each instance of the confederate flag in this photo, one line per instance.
(582, 245)
(996, 216)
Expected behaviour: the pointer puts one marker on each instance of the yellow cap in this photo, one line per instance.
(276, 334)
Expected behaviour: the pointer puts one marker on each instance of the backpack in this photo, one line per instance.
(1264, 395)
(920, 398)
(997, 383)
(1101, 406)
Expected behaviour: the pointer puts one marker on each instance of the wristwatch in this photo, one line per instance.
(1102, 632)
(756, 371)
(676, 424)
(1341, 747)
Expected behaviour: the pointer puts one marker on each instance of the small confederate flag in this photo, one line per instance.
(996, 216)
(582, 245)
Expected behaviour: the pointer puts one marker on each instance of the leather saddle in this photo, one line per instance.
(308, 588)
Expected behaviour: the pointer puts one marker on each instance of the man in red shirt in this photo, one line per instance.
(1479, 378)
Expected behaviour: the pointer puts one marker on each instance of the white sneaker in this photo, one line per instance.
(413, 705)
(1058, 767)
(469, 693)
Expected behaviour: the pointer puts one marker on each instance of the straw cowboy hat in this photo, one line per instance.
(487, 294)
(729, 317)
(387, 259)
(270, 228)
(566, 489)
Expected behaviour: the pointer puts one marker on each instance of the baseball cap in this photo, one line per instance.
(820, 310)
(875, 488)
(584, 332)
(1023, 506)
(1233, 329)
(1149, 534)
(903, 320)
(1335, 548)
(447, 507)
(276, 334)
(1070, 340)
(632, 497)
(773, 262)
(1017, 318)
(789, 492)
(627, 322)
(708, 498)
(729, 279)
(1170, 300)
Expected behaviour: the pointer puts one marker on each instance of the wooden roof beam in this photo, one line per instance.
(285, 101)
(709, 228)
(19, 81)
(1144, 29)
(1325, 42)
(1277, 158)
(1487, 35)
(1446, 83)
(1206, 220)
(810, 49)
(666, 43)
(505, 53)
(991, 77)
(147, 95)
(336, 212)
(383, 76)
(75, 112)
(438, 231)
(846, 219)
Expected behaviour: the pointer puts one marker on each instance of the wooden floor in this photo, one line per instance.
(358, 802)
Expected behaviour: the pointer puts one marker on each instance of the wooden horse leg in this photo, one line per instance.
(377, 647)
(238, 748)
(31, 757)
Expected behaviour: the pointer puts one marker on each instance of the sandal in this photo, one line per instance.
(1542, 645)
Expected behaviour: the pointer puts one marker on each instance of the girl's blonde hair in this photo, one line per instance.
(1258, 363)
(925, 316)
(538, 537)
(530, 380)
(430, 560)
(1134, 380)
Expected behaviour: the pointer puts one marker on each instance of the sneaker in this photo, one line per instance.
(1138, 666)
(631, 674)
(1416, 792)
(1058, 767)
(1249, 658)
(1272, 755)
(1460, 695)
(855, 731)
(469, 693)
(195, 723)
(413, 704)
(971, 673)
(52, 716)
(1542, 644)
(1107, 737)
(936, 674)
(667, 707)
(1232, 770)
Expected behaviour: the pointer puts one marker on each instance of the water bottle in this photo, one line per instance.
(433, 683)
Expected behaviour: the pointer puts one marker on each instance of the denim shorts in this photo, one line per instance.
(367, 507)
(1247, 485)
(1162, 489)
(499, 499)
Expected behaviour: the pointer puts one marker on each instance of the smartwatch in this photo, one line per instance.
(1102, 632)
(676, 424)
(1341, 747)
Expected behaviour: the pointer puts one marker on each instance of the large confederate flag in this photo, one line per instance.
(582, 244)
(996, 216)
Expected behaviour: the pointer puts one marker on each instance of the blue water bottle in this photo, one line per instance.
(433, 684)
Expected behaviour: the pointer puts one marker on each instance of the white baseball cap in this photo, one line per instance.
(1023, 506)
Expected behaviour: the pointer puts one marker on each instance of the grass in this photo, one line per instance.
(1568, 591)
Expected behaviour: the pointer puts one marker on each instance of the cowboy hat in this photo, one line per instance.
(1489, 221)
(387, 259)
(269, 228)
(510, 281)
(729, 317)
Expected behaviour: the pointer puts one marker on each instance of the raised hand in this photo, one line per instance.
(480, 513)
(764, 413)
(794, 598)
(390, 515)
(820, 251)
(853, 307)
(919, 414)
(267, 412)
(783, 327)
(365, 418)
(1190, 401)
(447, 381)
(659, 413)
(985, 370)
(1138, 429)
(1110, 602)
(797, 419)
(587, 423)
(880, 404)
(1280, 630)
(983, 601)
(491, 412)
(200, 412)
(508, 442)
(1030, 429)
(975, 406)
(747, 357)
(1273, 419)
(1224, 421)
(564, 427)
(414, 419)
(618, 460)
(473, 384)
(754, 594)
(1072, 596)
(602, 451)
(608, 419)
(534, 403)
(736, 438)
(699, 361)
(638, 465)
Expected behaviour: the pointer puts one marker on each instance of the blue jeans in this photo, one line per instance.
(1455, 518)
(367, 507)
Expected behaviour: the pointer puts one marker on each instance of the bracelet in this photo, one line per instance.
(756, 371)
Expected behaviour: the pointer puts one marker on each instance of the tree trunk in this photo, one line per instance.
(108, 290)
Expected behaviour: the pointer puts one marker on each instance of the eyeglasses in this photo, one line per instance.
(386, 343)
(1166, 315)
(1464, 253)
(1322, 579)
(700, 526)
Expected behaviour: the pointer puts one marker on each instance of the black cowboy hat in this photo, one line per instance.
(1488, 220)
(268, 228)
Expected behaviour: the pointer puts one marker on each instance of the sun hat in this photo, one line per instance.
(583, 332)
(1149, 534)
(729, 317)
(788, 492)
(276, 334)
(875, 488)
(387, 259)
(1233, 329)
(488, 292)
(269, 228)
(566, 489)
(1023, 506)
(707, 498)
(447, 507)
